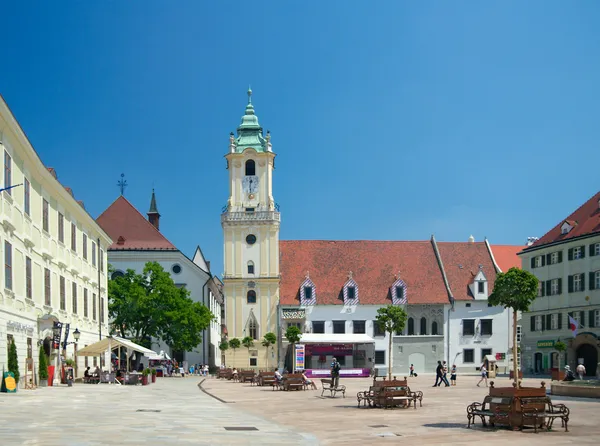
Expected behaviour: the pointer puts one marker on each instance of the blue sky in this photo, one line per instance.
(391, 120)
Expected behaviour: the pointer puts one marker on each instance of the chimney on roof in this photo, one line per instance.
(471, 239)
(153, 215)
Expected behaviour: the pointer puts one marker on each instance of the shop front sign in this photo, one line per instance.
(545, 344)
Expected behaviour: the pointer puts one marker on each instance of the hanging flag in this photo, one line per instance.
(573, 325)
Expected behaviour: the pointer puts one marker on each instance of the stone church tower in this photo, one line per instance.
(250, 224)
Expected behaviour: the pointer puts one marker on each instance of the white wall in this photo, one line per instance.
(498, 342)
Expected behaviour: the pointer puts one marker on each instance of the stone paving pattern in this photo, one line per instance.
(87, 414)
(441, 420)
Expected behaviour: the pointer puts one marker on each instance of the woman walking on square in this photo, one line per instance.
(483, 376)
(453, 375)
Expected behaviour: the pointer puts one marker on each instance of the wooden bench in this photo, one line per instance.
(399, 396)
(246, 375)
(225, 374)
(540, 411)
(293, 381)
(501, 410)
(326, 385)
(266, 378)
(389, 393)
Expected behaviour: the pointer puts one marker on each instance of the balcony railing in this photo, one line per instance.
(250, 216)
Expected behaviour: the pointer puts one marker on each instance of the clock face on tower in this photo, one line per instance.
(250, 184)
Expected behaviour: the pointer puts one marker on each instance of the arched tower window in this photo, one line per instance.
(434, 328)
(253, 327)
(250, 168)
(411, 326)
(251, 297)
(250, 267)
(423, 330)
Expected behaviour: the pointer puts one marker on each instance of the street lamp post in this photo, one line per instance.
(76, 336)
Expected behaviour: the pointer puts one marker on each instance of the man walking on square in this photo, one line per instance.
(444, 373)
(438, 374)
(335, 373)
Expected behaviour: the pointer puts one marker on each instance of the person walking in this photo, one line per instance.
(453, 375)
(483, 376)
(335, 373)
(412, 370)
(445, 373)
(580, 371)
(438, 374)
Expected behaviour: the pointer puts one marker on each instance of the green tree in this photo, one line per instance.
(560, 347)
(515, 289)
(234, 344)
(248, 342)
(293, 334)
(43, 364)
(223, 346)
(391, 319)
(13, 361)
(268, 340)
(150, 305)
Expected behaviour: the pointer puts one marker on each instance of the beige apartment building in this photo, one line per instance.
(54, 257)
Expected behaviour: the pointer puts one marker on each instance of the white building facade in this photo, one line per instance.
(55, 267)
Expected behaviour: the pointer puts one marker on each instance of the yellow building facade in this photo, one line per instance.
(250, 224)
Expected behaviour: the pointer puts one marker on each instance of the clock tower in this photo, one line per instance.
(250, 224)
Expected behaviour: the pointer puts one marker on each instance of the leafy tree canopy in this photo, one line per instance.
(269, 339)
(515, 289)
(248, 342)
(13, 360)
(292, 334)
(391, 319)
(150, 305)
(234, 343)
(224, 346)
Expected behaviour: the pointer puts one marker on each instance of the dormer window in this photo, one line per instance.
(398, 292)
(481, 287)
(250, 168)
(566, 227)
(308, 292)
(350, 291)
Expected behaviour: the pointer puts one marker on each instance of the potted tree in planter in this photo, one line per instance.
(13, 362)
(234, 344)
(293, 335)
(43, 368)
(153, 375)
(515, 290)
(391, 319)
(268, 340)
(560, 347)
(223, 346)
(145, 374)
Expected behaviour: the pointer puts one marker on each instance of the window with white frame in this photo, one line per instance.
(597, 318)
(540, 287)
(538, 262)
(577, 282)
(554, 258)
(554, 321)
(597, 280)
(577, 253)
(597, 249)
(554, 286)
(538, 323)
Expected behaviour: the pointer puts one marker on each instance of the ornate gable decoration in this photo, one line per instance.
(308, 292)
(398, 291)
(350, 291)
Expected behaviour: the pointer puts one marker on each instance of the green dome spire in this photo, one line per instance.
(250, 133)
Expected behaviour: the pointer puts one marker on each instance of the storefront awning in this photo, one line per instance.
(113, 342)
(335, 338)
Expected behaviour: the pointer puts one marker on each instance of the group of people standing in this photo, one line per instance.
(441, 373)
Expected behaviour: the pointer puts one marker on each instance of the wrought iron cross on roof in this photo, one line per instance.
(122, 184)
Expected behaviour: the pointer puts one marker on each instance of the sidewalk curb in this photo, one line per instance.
(210, 394)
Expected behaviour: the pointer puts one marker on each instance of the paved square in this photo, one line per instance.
(441, 420)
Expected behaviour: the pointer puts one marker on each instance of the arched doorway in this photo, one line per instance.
(537, 361)
(589, 354)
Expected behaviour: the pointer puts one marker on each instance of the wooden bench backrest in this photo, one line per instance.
(247, 372)
(294, 376)
(267, 374)
(391, 383)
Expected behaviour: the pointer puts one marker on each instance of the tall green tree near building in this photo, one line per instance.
(293, 334)
(248, 342)
(268, 340)
(234, 344)
(150, 305)
(223, 346)
(391, 319)
(515, 289)
(13, 361)
(42, 364)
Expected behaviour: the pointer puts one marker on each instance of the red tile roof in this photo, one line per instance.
(374, 265)
(462, 261)
(129, 229)
(506, 256)
(586, 220)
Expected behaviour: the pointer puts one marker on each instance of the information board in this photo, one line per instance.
(299, 357)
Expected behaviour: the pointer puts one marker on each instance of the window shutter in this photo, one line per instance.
(592, 281)
(543, 260)
(548, 321)
(592, 249)
(548, 259)
(543, 288)
(559, 286)
(582, 319)
(570, 313)
(543, 323)
(548, 287)
(532, 262)
(559, 256)
(583, 251)
(570, 285)
(559, 317)
(591, 318)
(582, 282)
(570, 253)
(532, 323)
